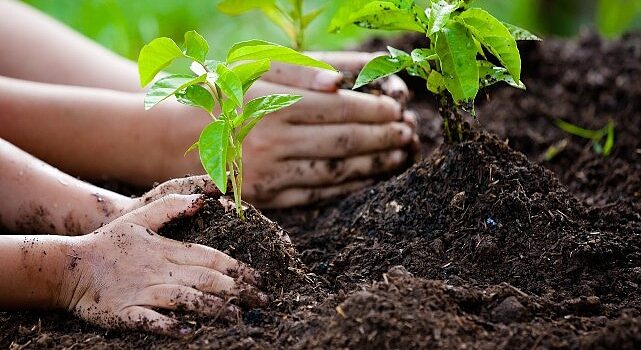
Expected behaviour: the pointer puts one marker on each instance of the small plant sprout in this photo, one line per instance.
(221, 85)
(469, 49)
(602, 139)
(288, 15)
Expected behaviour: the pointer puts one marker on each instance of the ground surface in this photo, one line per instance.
(499, 248)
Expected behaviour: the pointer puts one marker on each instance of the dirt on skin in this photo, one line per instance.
(497, 253)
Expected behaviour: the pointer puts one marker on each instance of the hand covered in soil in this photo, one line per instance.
(121, 272)
(331, 143)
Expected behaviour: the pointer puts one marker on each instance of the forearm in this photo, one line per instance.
(38, 48)
(91, 133)
(37, 198)
(36, 271)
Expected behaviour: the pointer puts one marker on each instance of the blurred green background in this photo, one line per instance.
(125, 25)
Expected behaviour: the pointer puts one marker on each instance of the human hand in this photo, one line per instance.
(331, 143)
(114, 279)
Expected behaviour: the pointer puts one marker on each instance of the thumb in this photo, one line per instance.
(165, 209)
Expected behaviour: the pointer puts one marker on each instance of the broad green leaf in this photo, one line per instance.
(381, 67)
(439, 15)
(237, 7)
(520, 34)
(249, 73)
(196, 46)
(156, 56)
(212, 146)
(386, 15)
(490, 75)
(254, 50)
(457, 53)
(435, 82)
(168, 86)
(229, 83)
(256, 109)
(494, 36)
(196, 96)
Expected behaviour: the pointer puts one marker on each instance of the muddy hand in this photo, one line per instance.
(116, 281)
(327, 81)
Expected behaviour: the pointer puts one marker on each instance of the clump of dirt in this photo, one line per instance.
(405, 312)
(480, 213)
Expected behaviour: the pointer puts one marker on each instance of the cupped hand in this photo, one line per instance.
(121, 273)
(331, 143)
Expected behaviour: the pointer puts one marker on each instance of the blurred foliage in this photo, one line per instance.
(125, 25)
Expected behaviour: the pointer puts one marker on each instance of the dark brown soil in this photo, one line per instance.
(499, 249)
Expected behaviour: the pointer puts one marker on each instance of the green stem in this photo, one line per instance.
(299, 45)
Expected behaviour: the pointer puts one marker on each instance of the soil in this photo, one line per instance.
(480, 245)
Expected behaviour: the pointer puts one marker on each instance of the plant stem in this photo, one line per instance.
(299, 44)
(452, 120)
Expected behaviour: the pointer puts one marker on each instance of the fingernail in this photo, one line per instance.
(399, 157)
(327, 81)
(406, 134)
(185, 331)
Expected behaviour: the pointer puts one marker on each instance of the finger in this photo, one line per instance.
(186, 185)
(140, 318)
(348, 140)
(345, 106)
(304, 196)
(200, 255)
(304, 77)
(411, 118)
(351, 61)
(323, 172)
(177, 297)
(396, 88)
(211, 281)
(157, 213)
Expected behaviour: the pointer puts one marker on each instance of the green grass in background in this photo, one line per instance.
(125, 25)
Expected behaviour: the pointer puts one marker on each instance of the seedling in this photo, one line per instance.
(288, 15)
(469, 49)
(221, 85)
(602, 139)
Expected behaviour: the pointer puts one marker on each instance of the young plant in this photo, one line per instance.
(469, 49)
(288, 15)
(602, 139)
(221, 85)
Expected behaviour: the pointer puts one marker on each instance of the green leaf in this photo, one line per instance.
(168, 86)
(397, 53)
(423, 55)
(576, 130)
(490, 75)
(609, 141)
(249, 73)
(237, 7)
(439, 15)
(435, 82)
(191, 149)
(386, 15)
(196, 96)
(256, 109)
(520, 34)
(212, 145)
(311, 16)
(381, 67)
(457, 53)
(196, 46)
(254, 50)
(155, 56)
(229, 83)
(494, 36)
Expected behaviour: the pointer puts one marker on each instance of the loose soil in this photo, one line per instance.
(481, 245)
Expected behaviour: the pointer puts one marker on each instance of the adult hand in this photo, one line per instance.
(331, 143)
(115, 280)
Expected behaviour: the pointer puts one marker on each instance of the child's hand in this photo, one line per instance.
(117, 279)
